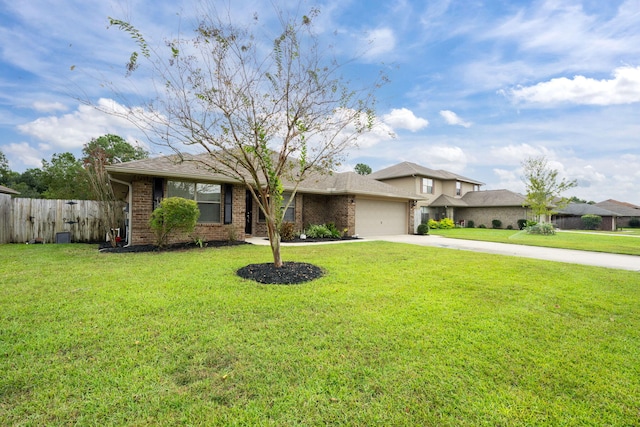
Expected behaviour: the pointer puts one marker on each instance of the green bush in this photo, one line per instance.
(471, 224)
(173, 214)
(323, 231)
(634, 223)
(509, 227)
(522, 224)
(496, 223)
(443, 224)
(591, 222)
(482, 226)
(432, 223)
(543, 228)
(423, 229)
(287, 231)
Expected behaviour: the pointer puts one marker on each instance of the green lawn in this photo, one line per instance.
(621, 242)
(393, 334)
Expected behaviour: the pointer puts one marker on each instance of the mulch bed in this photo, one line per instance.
(106, 247)
(291, 273)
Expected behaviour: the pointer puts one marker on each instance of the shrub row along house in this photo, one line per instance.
(391, 201)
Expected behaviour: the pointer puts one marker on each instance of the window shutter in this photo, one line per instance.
(228, 203)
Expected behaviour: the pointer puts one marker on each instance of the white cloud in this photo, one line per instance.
(73, 130)
(48, 107)
(453, 119)
(378, 43)
(28, 155)
(515, 154)
(624, 88)
(403, 118)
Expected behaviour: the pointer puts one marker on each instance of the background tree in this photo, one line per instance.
(5, 172)
(262, 116)
(98, 154)
(544, 187)
(114, 149)
(65, 178)
(362, 169)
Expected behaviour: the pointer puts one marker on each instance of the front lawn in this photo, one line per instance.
(621, 242)
(392, 334)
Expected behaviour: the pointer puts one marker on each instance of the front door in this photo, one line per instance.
(248, 215)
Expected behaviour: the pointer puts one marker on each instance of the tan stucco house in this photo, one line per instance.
(449, 195)
(354, 203)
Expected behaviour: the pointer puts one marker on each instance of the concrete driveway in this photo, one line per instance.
(598, 259)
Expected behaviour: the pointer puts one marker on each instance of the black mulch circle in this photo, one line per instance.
(290, 273)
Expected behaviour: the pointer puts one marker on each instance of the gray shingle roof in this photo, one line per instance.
(405, 169)
(7, 190)
(620, 208)
(316, 183)
(448, 201)
(493, 198)
(579, 209)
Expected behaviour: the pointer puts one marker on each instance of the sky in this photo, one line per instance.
(475, 88)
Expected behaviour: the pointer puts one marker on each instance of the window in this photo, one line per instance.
(206, 195)
(458, 188)
(427, 185)
(424, 214)
(289, 215)
(476, 187)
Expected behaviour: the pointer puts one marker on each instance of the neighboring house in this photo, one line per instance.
(354, 203)
(448, 195)
(570, 217)
(625, 211)
(7, 190)
(482, 207)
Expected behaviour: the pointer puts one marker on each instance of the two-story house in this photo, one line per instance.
(448, 195)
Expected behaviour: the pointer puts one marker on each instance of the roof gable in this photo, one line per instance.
(493, 198)
(405, 169)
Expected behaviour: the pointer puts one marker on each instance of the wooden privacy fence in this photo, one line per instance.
(24, 220)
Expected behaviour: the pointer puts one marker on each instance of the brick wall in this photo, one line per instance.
(319, 209)
(484, 216)
(141, 233)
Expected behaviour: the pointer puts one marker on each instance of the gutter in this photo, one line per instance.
(130, 203)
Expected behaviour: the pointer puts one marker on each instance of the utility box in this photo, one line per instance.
(63, 237)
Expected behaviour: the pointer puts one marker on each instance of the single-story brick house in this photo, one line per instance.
(482, 207)
(625, 211)
(570, 217)
(354, 203)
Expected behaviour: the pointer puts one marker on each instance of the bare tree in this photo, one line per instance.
(543, 186)
(265, 110)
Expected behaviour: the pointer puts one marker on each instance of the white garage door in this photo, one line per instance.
(380, 217)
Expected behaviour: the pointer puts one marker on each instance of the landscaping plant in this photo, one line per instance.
(174, 214)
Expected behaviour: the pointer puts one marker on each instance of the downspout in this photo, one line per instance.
(130, 203)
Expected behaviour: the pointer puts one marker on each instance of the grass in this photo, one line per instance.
(392, 335)
(622, 242)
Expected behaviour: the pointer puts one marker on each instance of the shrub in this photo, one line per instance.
(522, 224)
(634, 223)
(509, 227)
(423, 229)
(446, 223)
(543, 228)
(173, 214)
(470, 224)
(287, 231)
(323, 231)
(482, 226)
(591, 222)
(432, 223)
(496, 223)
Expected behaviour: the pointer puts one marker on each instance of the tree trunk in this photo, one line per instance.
(274, 241)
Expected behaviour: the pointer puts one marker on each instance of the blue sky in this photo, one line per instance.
(476, 86)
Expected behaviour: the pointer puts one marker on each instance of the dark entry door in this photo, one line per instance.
(248, 215)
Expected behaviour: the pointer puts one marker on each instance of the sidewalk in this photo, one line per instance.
(598, 259)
